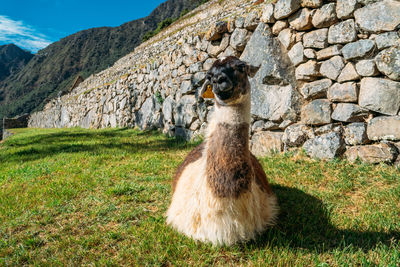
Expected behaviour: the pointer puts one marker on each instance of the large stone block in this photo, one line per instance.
(348, 112)
(325, 16)
(357, 49)
(332, 67)
(334, 50)
(387, 39)
(376, 153)
(356, 133)
(284, 8)
(343, 92)
(317, 112)
(380, 95)
(384, 128)
(348, 73)
(308, 71)
(295, 135)
(316, 89)
(345, 8)
(388, 62)
(316, 39)
(378, 17)
(327, 146)
(265, 143)
(273, 94)
(296, 54)
(342, 33)
(301, 20)
(366, 68)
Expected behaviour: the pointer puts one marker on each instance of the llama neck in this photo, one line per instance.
(232, 115)
(228, 157)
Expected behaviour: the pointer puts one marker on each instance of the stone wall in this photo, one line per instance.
(329, 78)
(13, 123)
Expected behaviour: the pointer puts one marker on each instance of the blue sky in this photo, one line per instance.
(34, 24)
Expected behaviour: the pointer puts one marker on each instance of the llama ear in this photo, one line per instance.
(251, 70)
(206, 90)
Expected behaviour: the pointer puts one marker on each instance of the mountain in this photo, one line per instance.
(54, 68)
(12, 59)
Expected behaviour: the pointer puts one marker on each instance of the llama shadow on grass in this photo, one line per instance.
(304, 222)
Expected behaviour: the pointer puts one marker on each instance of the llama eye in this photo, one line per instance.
(222, 80)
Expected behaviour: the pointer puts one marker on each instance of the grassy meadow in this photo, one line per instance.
(98, 197)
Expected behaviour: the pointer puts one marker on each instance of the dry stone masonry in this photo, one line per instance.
(329, 78)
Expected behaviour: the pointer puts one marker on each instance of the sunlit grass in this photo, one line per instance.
(73, 196)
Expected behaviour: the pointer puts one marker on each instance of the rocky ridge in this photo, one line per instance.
(328, 80)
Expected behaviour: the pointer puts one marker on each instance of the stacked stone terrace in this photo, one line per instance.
(329, 78)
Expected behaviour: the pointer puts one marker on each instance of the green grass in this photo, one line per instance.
(76, 197)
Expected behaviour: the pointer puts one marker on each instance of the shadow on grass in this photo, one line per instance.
(304, 223)
(96, 142)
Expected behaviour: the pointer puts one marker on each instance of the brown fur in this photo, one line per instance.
(194, 155)
(261, 177)
(228, 167)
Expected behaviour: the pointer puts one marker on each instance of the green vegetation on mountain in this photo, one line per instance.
(54, 68)
(12, 60)
(98, 197)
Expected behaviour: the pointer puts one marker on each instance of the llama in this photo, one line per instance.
(220, 192)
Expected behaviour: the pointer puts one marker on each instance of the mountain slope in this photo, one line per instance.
(53, 69)
(12, 59)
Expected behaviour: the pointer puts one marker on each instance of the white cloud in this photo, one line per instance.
(16, 32)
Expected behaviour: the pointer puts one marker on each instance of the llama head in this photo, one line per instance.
(229, 81)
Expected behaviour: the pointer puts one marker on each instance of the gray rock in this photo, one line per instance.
(287, 37)
(347, 112)
(198, 78)
(376, 153)
(261, 125)
(317, 112)
(168, 107)
(315, 89)
(279, 26)
(268, 14)
(251, 21)
(310, 53)
(216, 47)
(356, 134)
(327, 146)
(208, 63)
(345, 8)
(387, 39)
(378, 17)
(186, 88)
(332, 68)
(216, 31)
(311, 3)
(185, 111)
(380, 95)
(266, 143)
(239, 39)
(348, 73)
(273, 94)
(229, 51)
(296, 54)
(366, 68)
(342, 33)
(334, 50)
(284, 8)
(308, 71)
(316, 39)
(239, 22)
(196, 67)
(358, 49)
(384, 128)
(295, 135)
(325, 16)
(343, 92)
(301, 20)
(388, 62)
